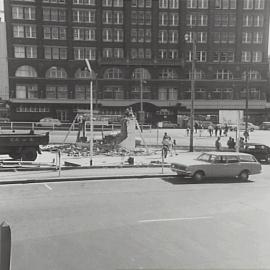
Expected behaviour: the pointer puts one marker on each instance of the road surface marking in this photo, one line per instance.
(47, 186)
(173, 219)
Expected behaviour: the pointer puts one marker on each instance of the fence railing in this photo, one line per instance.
(13, 126)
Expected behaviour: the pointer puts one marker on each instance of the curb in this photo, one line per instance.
(79, 179)
(15, 169)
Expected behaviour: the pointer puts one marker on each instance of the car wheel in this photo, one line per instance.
(243, 176)
(198, 176)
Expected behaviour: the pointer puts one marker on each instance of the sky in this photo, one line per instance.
(2, 7)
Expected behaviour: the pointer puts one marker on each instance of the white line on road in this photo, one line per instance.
(174, 219)
(47, 186)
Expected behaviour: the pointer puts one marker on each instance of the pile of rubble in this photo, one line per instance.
(82, 150)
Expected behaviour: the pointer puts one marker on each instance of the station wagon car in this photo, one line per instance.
(218, 164)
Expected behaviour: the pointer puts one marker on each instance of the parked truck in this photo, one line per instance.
(22, 146)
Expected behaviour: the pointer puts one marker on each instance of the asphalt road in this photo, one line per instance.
(139, 224)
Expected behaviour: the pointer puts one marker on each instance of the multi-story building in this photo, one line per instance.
(139, 54)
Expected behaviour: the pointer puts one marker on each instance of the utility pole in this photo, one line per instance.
(91, 111)
(141, 113)
(193, 78)
(246, 108)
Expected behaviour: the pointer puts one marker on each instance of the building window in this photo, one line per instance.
(26, 71)
(54, 14)
(223, 56)
(35, 108)
(107, 3)
(26, 91)
(163, 36)
(169, 74)
(258, 20)
(224, 74)
(23, 13)
(25, 51)
(259, 4)
(55, 52)
(107, 34)
(24, 31)
(82, 74)
(257, 37)
(84, 16)
(199, 75)
(247, 20)
(247, 4)
(141, 53)
(246, 56)
(246, 37)
(56, 92)
(81, 53)
(85, 2)
(200, 4)
(141, 74)
(113, 73)
(225, 4)
(257, 57)
(116, 53)
(113, 92)
(201, 56)
(56, 73)
(54, 1)
(54, 32)
(83, 33)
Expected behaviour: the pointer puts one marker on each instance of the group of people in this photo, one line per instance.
(231, 143)
(218, 130)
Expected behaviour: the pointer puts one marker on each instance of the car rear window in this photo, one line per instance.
(246, 158)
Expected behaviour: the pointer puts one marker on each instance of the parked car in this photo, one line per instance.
(218, 164)
(265, 125)
(49, 122)
(242, 126)
(168, 124)
(260, 151)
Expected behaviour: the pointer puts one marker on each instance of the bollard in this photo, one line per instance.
(59, 160)
(5, 246)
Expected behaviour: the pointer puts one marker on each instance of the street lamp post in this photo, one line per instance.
(192, 36)
(91, 111)
(141, 99)
(246, 107)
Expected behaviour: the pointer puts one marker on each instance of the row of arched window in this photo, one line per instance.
(138, 73)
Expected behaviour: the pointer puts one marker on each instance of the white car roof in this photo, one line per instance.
(225, 153)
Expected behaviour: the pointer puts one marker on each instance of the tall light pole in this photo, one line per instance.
(246, 108)
(192, 36)
(141, 98)
(91, 111)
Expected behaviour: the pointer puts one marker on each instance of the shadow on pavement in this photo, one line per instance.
(176, 180)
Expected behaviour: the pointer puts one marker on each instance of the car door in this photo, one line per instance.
(233, 165)
(218, 168)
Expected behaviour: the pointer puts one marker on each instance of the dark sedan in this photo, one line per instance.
(260, 151)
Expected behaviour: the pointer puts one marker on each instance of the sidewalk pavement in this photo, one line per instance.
(151, 167)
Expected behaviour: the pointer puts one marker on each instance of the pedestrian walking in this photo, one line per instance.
(187, 130)
(210, 130)
(196, 126)
(226, 129)
(216, 130)
(246, 135)
(218, 144)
